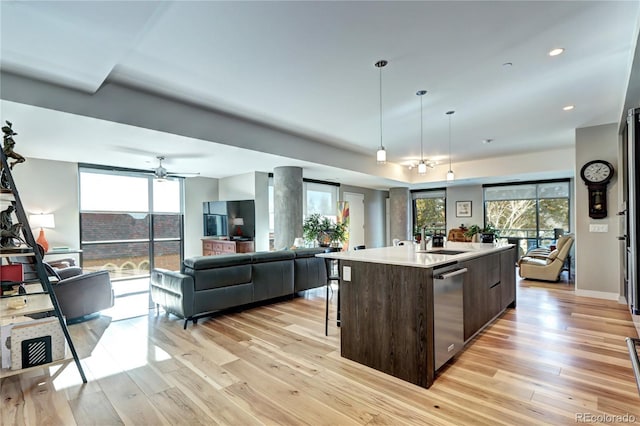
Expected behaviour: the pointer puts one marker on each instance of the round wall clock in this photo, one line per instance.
(596, 175)
(596, 172)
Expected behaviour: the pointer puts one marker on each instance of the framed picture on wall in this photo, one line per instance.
(463, 208)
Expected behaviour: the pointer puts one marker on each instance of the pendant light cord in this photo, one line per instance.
(449, 141)
(450, 113)
(421, 156)
(380, 68)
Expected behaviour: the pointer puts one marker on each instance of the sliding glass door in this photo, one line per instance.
(129, 224)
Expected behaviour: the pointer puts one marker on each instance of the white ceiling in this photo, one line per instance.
(307, 68)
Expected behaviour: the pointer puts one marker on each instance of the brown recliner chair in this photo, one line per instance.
(537, 265)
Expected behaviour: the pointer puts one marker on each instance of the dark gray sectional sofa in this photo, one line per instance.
(206, 284)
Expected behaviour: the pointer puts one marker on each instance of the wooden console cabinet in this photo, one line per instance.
(213, 247)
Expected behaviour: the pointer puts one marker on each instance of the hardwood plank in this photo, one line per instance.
(179, 409)
(555, 356)
(40, 396)
(260, 406)
(130, 402)
(281, 394)
(148, 379)
(216, 405)
(13, 401)
(94, 409)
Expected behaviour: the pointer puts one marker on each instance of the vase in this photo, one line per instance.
(487, 237)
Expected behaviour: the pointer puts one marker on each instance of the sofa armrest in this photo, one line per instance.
(84, 294)
(174, 291)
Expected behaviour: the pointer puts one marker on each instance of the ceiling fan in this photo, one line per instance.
(160, 173)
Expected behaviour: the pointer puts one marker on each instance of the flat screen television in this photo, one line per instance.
(215, 225)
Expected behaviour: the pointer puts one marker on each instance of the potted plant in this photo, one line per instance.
(472, 232)
(319, 229)
(339, 233)
(483, 235)
(489, 233)
(312, 227)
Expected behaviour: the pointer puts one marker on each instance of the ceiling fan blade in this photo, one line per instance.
(172, 174)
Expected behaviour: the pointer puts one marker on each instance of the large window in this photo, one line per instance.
(430, 211)
(318, 197)
(129, 223)
(532, 213)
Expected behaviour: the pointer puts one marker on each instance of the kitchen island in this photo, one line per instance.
(398, 307)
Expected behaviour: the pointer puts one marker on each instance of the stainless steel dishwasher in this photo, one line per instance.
(448, 321)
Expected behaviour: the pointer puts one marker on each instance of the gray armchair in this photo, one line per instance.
(85, 294)
(80, 295)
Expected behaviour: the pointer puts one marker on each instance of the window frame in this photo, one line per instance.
(434, 193)
(151, 214)
(537, 240)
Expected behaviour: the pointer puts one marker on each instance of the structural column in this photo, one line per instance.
(287, 200)
(400, 213)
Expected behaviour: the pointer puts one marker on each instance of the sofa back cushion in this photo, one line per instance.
(308, 252)
(272, 274)
(309, 272)
(206, 279)
(208, 262)
(272, 256)
(224, 270)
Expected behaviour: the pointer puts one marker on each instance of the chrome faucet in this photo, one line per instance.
(423, 238)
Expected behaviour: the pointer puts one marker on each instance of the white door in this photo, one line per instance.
(356, 218)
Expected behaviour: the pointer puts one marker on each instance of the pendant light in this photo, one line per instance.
(422, 167)
(381, 155)
(450, 175)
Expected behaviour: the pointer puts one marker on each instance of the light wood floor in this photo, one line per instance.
(556, 359)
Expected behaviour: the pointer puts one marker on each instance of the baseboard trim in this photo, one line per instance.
(598, 294)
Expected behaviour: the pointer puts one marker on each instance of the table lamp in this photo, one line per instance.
(42, 221)
(238, 222)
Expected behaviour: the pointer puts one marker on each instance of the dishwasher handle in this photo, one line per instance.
(450, 274)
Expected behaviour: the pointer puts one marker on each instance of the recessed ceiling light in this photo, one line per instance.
(507, 64)
(556, 51)
(487, 140)
(568, 108)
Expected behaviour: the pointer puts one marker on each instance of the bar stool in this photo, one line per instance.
(333, 274)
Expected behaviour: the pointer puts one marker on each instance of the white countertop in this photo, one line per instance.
(410, 255)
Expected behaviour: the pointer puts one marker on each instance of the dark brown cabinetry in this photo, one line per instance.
(489, 288)
(387, 319)
(214, 247)
(508, 259)
(387, 311)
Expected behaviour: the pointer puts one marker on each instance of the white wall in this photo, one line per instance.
(51, 187)
(374, 214)
(471, 193)
(250, 186)
(239, 187)
(597, 254)
(196, 191)
(530, 166)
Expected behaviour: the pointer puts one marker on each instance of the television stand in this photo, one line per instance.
(211, 247)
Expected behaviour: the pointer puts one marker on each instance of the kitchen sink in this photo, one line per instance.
(445, 251)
